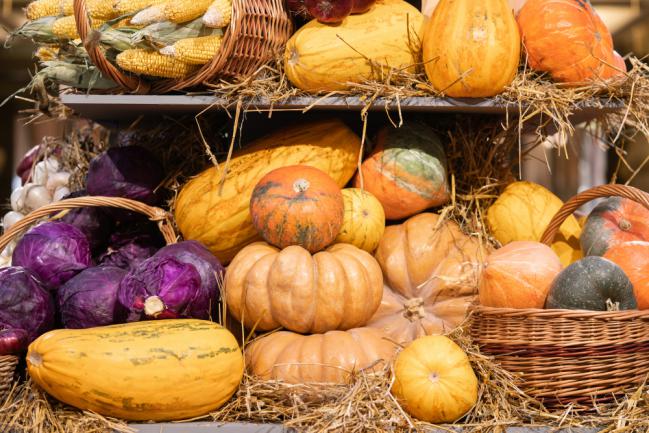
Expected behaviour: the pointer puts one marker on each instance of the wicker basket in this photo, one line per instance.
(257, 32)
(162, 218)
(569, 356)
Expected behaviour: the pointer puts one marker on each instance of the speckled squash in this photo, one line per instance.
(332, 357)
(267, 288)
(213, 207)
(633, 258)
(431, 272)
(471, 49)
(323, 57)
(407, 171)
(364, 220)
(158, 370)
(297, 205)
(614, 221)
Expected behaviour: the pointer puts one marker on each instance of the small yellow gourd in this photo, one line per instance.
(364, 220)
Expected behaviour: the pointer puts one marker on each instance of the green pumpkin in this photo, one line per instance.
(588, 284)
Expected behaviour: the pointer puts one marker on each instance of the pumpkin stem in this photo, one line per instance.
(153, 306)
(414, 309)
(624, 225)
(301, 185)
(35, 359)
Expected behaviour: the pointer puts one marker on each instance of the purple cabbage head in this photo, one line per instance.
(89, 298)
(24, 303)
(54, 251)
(162, 288)
(92, 221)
(207, 265)
(127, 250)
(130, 172)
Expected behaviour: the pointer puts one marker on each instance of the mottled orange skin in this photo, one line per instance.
(567, 39)
(633, 258)
(297, 205)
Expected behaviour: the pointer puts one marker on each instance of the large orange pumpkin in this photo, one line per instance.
(567, 39)
(431, 274)
(406, 171)
(519, 275)
(614, 221)
(633, 258)
(297, 205)
(332, 357)
(339, 288)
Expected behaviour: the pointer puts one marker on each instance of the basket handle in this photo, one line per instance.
(613, 190)
(129, 82)
(162, 217)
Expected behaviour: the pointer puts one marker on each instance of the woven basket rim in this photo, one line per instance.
(560, 313)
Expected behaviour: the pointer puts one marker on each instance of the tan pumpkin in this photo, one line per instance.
(319, 358)
(214, 209)
(431, 274)
(322, 57)
(471, 48)
(339, 288)
(364, 220)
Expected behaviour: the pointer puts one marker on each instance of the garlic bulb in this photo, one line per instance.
(44, 169)
(18, 199)
(60, 193)
(36, 196)
(57, 180)
(11, 218)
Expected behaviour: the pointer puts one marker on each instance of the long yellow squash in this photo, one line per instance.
(322, 57)
(159, 370)
(216, 213)
(471, 48)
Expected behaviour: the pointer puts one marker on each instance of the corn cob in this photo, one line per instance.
(195, 51)
(126, 7)
(45, 54)
(67, 7)
(38, 30)
(42, 8)
(218, 15)
(66, 27)
(152, 63)
(180, 11)
(102, 9)
(150, 15)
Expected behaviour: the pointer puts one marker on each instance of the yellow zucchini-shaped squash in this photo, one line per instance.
(158, 370)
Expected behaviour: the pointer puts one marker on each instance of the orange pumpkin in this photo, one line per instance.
(297, 205)
(431, 271)
(614, 221)
(406, 172)
(567, 39)
(633, 258)
(519, 275)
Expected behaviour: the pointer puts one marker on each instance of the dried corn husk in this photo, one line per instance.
(39, 30)
(166, 33)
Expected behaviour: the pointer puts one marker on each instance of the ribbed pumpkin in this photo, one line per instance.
(633, 258)
(319, 358)
(364, 220)
(518, 275)
(322, 57)
(406, 171)
(523, 212)
(157, 370)
(297, 205)
(431, 274)
(567, 39)
(339, 288)
(434, 381)
(614, 221)
(471, 48)
(215, 211)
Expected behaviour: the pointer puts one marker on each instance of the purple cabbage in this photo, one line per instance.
(24, 303)
(131, 172)
(89, 298)
(54, 251)
(162, 288)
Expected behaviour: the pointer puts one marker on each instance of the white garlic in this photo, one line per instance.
(44, 169)
(60, 193)
(57, 180)
(5, 262)
(18, 199)
(9, 249)
(36, 196)
(11, 218)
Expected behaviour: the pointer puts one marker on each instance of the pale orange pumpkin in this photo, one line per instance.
(633, 258)
(519, 275)
(332, 357)
(267, 288)
(431, 274)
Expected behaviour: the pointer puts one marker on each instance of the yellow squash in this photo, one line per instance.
(471, 47)
(157, 370)
(434, 381)
(523, 212)
(217, 213)
(364, 220)
(322, 57)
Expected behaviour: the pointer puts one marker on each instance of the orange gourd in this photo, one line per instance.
(519, 275)
(633, 258)
(297, 205)
(567, 39)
